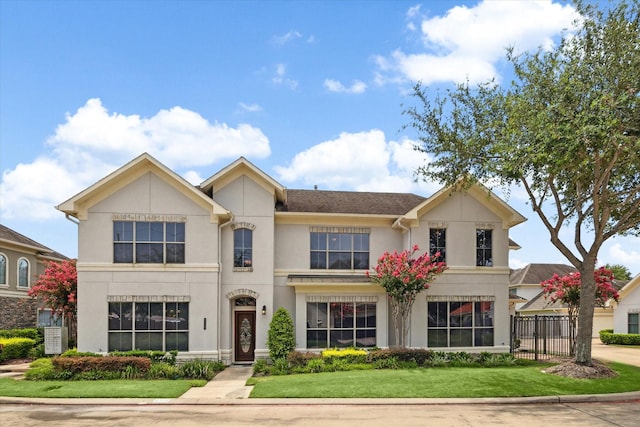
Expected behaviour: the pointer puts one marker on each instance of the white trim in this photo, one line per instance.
(6, 270)
(18, 286)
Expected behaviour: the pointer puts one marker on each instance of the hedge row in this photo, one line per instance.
(15, 348)
(32, 333)
(608, 337)
(109, 363)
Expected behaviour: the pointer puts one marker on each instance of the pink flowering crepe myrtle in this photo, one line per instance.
(403, 277)
(57, 289)
(566, 290)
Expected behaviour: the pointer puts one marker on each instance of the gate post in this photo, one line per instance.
(535, 336)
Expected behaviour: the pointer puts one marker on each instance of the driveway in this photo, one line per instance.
(615, 353)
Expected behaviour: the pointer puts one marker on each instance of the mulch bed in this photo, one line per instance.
(572, 370)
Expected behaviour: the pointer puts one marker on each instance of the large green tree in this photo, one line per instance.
(566, 130)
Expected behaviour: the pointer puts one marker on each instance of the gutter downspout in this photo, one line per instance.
(70, 218)
(218, 317)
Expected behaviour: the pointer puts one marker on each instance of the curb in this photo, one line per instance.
(633, 396)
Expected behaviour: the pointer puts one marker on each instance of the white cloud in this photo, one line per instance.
(363, 161)
(335, 86)
(466, 43)
(628, 257)
(250, 108)
(286, 38)
(281, 77)
(92, 142)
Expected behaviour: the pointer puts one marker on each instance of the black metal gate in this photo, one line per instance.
(540, 336)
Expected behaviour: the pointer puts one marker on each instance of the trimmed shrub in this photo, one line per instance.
(298, 359)
(15, 348)
(73, 352)
(281, 337)
(32, 333)
(402, 355)
(608, 337)
(280, 367)
(350, 355)
(153, 355)
(118, 364)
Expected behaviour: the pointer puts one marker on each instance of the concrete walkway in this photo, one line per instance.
(615, 353)
(228, 384)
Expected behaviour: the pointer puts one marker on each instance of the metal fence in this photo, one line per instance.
(541, 337)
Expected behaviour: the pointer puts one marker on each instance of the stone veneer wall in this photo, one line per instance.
(18, 312)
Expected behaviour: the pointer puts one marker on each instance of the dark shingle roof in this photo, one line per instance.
(350, 202)
(13, 236)
(537, 273)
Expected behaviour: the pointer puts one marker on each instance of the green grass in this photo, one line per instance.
(97, 389)
(442, 382)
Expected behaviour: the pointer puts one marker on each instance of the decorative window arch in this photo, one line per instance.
(4, 270)
(24, 273)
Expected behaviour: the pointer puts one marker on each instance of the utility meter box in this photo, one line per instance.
(56, 340)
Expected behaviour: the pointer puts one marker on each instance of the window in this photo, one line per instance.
(23, 273)
(460, 324)
(148, 242)
(633, 323)
(438, 244)
(339, 251)
(243, 248)
(47, 318)
(340, 324)
(3, 270)
(484, 256)
(160, 326)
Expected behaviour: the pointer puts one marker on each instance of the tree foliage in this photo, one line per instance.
(57, 287)
(566, 130)
(567, 289)
(620, 272)
(403, 277)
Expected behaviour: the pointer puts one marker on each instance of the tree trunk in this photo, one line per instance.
(585, 316)
(401, 311)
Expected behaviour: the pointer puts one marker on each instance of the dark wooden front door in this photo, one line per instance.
(245, 336)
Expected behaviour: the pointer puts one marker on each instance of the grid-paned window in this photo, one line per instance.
(460, 324)
(243, 248)
(148, 242)
(438, 244)
(484, 253)
(339, 251)
(341, 324)
(160, 326)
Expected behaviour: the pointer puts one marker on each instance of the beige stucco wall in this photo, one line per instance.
(99, 278)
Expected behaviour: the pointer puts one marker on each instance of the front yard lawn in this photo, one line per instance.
(97, 389)
(518, 381)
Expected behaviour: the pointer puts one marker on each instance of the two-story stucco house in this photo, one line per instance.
(22, 260)
(165, 265)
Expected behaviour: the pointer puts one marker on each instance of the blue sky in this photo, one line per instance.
(312, 92)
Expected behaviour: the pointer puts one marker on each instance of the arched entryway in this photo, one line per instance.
(244, 329)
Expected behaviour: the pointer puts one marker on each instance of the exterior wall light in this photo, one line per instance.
(264, 310)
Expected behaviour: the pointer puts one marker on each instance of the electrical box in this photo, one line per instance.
(56, 340)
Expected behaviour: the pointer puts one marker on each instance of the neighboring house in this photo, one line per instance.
(165, 265)
(626, 311)
(526, 283)
(22, 260)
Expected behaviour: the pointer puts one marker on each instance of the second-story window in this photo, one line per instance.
(438, 244)
(23, 273)
(148, 242)
(243, 248)
(3, 270)
(339, 251)
(484, 255)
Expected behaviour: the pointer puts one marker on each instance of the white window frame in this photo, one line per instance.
(18, 285)
(6, 271)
